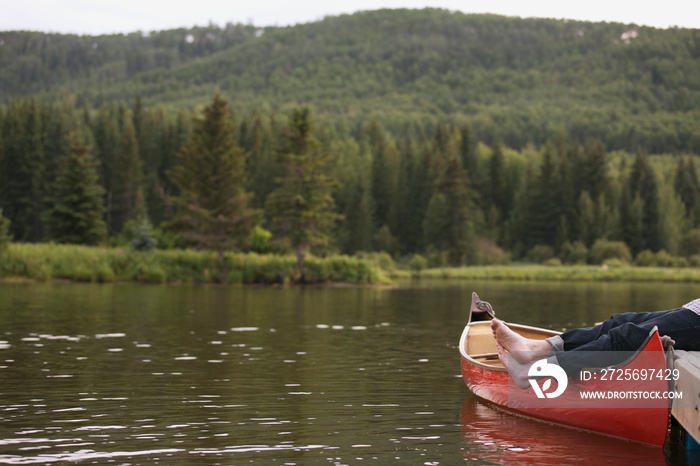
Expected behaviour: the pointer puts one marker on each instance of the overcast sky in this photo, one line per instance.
(113, 16)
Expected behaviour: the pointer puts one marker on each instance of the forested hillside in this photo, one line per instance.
(33, 62)
(518, 80)
(466, 139)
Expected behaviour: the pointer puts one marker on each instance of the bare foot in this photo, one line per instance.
(517, 370)
(524, 350)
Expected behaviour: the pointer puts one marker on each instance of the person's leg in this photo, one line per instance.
(682, 325)
(572, 339)
(527, 350)
(621, 341)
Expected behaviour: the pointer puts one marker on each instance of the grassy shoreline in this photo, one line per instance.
(534, 272)
(58, 262)
(46, 262)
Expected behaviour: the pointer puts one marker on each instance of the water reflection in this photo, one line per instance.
(503, 438)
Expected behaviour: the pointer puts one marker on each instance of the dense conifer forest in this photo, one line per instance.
(464, 139)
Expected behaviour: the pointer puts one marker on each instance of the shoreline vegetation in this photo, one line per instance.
(541, 272)
(74, 263)
(45, 262)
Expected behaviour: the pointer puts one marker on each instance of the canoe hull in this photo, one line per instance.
(641, 420)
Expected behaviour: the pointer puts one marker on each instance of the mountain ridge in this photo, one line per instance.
(521, 80)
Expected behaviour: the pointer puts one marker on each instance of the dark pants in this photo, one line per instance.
(622, 334)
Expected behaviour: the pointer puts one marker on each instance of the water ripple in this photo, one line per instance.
(81, 455)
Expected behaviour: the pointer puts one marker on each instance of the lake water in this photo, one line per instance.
(182, 375)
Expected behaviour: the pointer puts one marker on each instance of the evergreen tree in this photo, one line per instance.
(436, 223)
(172, 136)
(449, 220)
(5, 237)
(517, 231)
(129, 170)
(545, 210)
(469, 160)
(673, 221)
(105, 131)
(607, 219)
(15, 172)
(77, 214)
(585, 220)
(143, 239)
(441, 138)
(357, 233)
(632, 222)
(641, 184)
(35, 172)
(258, 142)
(210, 173)
(420, 191)
(687, 187)
(591, 170)
(385, 169)
(146, 166)
(59, 120)
(564, 185)
(467, 152)
(496, 193)
(411, 211)
(300, 209)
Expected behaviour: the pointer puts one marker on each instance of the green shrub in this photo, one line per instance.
(539, 254)
(664, 259)
(82, 273)
(41, 272)
(260, 241)
(690, 243)
(614, 263)
(143, 238)
(154, 274)
(680, 262)
(147, 272)
(104, 273)
(166, 239)
(234, 276)
(553, 262)
(602, 250)
(381, 259)
(645, 258)
(576, 253)
(417, 264)
(4, 232)
(489, 253)
(437, 258)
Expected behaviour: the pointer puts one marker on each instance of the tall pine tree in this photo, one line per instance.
(210, 173)
(449, 221)
(687, 187)
(77, 215)
(301, 208)
(640, 197)
(545, 210)
(5, 237)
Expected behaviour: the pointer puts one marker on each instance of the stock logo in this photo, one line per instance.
(542, 369)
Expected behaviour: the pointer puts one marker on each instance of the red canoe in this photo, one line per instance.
(633, 410)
